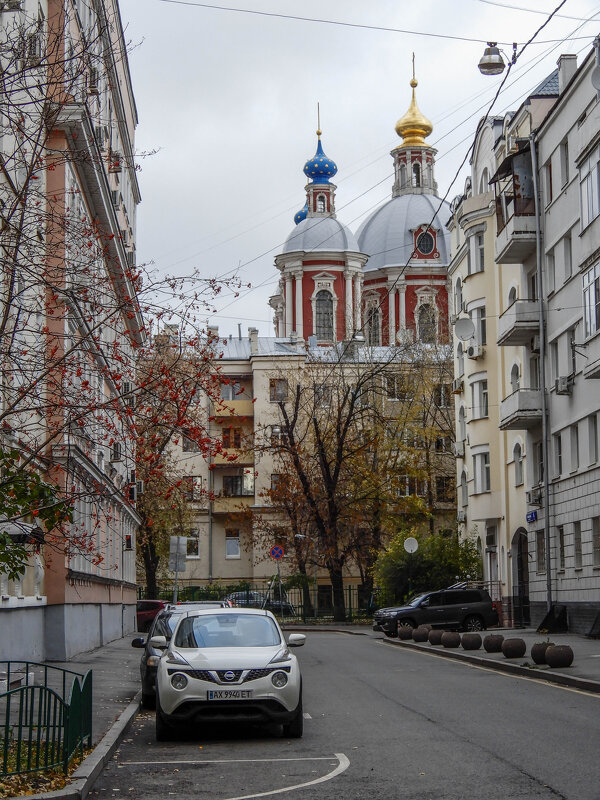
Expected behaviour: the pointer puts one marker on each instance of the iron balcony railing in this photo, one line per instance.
(46, 716)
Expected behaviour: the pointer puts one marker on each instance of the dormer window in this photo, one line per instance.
(321, 203)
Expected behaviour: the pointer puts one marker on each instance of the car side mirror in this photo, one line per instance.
(424, 603)
(160, 642)
(139, 642)
(296, 639)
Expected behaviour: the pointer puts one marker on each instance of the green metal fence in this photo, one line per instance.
(46, 716)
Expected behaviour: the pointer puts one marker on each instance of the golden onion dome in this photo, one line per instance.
(413, 127)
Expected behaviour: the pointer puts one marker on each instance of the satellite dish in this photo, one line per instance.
(411, 545)
(464, 329)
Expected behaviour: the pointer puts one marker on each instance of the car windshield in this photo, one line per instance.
(227, 630)
(415, 599)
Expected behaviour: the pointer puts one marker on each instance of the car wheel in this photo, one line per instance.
(473, 623)
(406, 623)
(148, 700)
(295, 727)
(163, 732)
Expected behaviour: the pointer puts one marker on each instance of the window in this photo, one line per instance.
(373, 326)
(540, 551)
(416, 172)
(478, 319)
(458, 299)
(591, 300)
(578, 559)
(571, 339)
(481, 472)
(232, 544)
(574, 432)
(518, 460)
(241, 485)
(554, 359)
(551, 271)
(548, 181)
(561, 546)
(193, 544)
(397, 387)
(276, 481)
(476, 254)
(441, 395)
(192, 488)
(557, 446)
(596, 541)
(590, 189)
(444, 489)
(462, 424)
(564, 163)
(409, 485)
(321, 203)
(427, 325)
(322, 396)
(538, 463)
(230, 391)
(232, 437)
(324, 316)
(464, 490)
(189, 445)
(460, 357)
(515, 377)
(568, 256)
(479, 398)
(442, 444)
(593, 438)
(278, 389)
(277, 436)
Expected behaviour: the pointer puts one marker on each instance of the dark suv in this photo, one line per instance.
(469, 609)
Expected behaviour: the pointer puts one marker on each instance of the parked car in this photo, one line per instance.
(145, 611)
(469, 609)
(253, 599)
(228, 664)
(164, 624)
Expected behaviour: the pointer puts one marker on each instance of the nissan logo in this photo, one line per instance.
(229, 676)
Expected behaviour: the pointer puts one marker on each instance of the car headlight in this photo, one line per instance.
(175, 658)
(279, 679)
(152, 661)
(179, 681)
(281, 655)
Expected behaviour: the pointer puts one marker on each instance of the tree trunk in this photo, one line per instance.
(337, 585)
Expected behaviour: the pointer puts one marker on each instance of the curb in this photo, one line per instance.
(585, 684)
(85, 775)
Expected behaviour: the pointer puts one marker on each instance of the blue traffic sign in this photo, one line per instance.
(276, 552)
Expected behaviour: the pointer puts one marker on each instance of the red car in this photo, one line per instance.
(146, 610)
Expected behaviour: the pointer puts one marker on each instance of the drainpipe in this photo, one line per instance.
(542, 334)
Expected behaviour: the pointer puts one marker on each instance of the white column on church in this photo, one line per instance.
(299, 319)
(357, 303)
(392, 314)
(289, 312)
(402, 308)
(349, 314)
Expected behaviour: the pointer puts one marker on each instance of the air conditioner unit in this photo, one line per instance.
(535, 344)
(457, 385)
(564, 384)
(534, 497)
(461, 516)
(458, 448)
(474, 350)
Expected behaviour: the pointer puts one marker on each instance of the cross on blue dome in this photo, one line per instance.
(319, 168)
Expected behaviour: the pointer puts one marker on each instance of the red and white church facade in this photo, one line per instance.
(389, 281)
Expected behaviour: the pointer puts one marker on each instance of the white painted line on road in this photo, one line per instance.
(306, 715)
(342, 766)
(230, 760)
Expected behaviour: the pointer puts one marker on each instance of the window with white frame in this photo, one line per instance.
(230, 390)
(479, 399)
(590, 188)
(481, 472)
(476, 253)
(458, 297)
(574, 435)
(557, 447)
(593, 438)
(518, 461)
(462, 424)
(561, 546)
(478, 319)
(596, 541)
(460, 358)
(567, 256)
(193, 544)
(324, 316)
(550, 271)
(538, 463)
(321, 203)
(548, 181)
(540, 551)
(278, 389)
(564, 162)
(464, 490)
(554, 359)
(577, 551)
(591, 300)
(232, 543)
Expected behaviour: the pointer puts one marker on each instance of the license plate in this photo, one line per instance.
(229, 694)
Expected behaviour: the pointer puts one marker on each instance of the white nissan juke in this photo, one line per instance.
(228, 665)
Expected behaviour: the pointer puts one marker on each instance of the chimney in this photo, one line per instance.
(253, 336)
(567, 67)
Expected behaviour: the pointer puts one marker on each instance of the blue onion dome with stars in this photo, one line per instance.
(319, 168)
(302, 214)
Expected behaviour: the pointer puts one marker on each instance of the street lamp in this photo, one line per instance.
(491, 62)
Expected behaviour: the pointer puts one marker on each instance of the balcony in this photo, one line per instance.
(233, 457)
(231, 505)
(485, 506)
(520, 410)
(519, 323)
(234, 408)
(515, 240)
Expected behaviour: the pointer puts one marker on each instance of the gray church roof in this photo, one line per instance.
(318, 234)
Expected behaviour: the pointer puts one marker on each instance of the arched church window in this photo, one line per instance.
(484, 185)
(515, 377)
(321, 203)
(427, 325)
(373, 326)
(416, 169)
(518, 459)
(324, 316)
(462, 424)
(402, 176)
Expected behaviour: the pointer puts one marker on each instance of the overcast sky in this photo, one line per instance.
(229, 100)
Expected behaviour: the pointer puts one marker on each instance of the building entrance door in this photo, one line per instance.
(520, 561)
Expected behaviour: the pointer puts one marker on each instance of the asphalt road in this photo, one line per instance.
(382, 722)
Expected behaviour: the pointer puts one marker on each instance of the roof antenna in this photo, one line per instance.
(318, 120)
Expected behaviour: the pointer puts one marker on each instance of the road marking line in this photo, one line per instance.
(306, 715)
(342, 766)
(231, 760)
